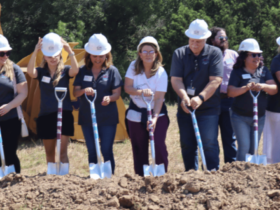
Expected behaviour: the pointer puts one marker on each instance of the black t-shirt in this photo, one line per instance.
(49, 102)
(208, 63)
(273, 103)
(243, 104)
(106, 82)
(7, 91)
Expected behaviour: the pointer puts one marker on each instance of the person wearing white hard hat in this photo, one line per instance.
(248, 74)
(53, 73)
(10, 125)
(146, 76)
(196, 74)
(219, 39)
(101, 75)
(271, 134)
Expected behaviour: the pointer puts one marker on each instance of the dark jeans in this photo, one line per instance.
(10, 130)
(107, 135)
(140, 143)
(227, 134)
(208, 127)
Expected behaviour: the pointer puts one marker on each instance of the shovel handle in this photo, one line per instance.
(2, 153)
(93, 100)
(256, 121)
(60, 89)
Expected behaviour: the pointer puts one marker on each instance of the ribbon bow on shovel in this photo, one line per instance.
(257, 159)
(154, 169)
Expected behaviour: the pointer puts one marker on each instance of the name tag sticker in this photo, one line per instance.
(246, 76)
(191, 91)
(229, 61)
(46, 79)
(87, 78)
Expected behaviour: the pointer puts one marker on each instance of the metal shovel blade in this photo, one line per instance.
(257, 159)
(7, 170)
(100, 171)
(52, 169)
(157, 170)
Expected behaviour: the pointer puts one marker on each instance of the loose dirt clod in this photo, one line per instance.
(237, 185)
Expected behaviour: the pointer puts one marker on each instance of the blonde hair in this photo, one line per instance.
(107, 63)
(58, 71)
(139, 63)
(9, 69)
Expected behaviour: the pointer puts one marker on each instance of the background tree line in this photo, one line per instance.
(125, 22)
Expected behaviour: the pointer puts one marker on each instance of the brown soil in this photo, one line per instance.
(237, 185)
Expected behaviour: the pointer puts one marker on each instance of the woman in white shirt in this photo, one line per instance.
(146, 75)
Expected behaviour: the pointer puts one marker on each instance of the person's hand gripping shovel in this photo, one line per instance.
(257, 159)
(198, 137)
(59, 168)
(154, 169)
(4, 170)
(97, 170)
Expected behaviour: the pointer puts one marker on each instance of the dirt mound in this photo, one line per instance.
(237, 185)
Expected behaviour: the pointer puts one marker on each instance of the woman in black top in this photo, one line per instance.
(9, 121)
(248, 74)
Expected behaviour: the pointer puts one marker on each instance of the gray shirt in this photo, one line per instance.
(107, 80)
(209, 63)
(49, 102)
(7, 91)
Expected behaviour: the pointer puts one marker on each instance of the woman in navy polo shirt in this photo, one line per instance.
(9, 121)
(99, 74)
(248, 74)
(52, 73)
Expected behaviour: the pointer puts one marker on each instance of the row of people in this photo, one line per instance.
(197, 72)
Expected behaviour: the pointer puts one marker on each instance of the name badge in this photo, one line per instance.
(46, 79)
(191, 91)
(229, 61)
(87, 78)
(246, 76)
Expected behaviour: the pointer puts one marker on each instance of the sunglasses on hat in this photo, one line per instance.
(256, 54)
(2, 54)
(223, 37)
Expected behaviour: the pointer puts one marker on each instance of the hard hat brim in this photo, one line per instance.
(278, 40)
(146, 43)
(51, 54)
(192, 36)
(5, 48)
(94, 52)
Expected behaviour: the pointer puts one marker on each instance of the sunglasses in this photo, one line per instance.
(148, 53)
(223, 37)
(256, 54)
(2, 54)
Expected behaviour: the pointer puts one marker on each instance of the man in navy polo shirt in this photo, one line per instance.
(196, 75)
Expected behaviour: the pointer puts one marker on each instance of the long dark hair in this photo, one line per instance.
(240, 61)
(214, 31)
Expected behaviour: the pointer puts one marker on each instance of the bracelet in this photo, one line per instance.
(71, 54)
(201, 98)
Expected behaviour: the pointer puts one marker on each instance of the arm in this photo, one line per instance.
(179, 88)
(73, 71)
(22, 94)
(129, 89)
(78, 91)
(115, 96)
(236, 91)
(269, 87)
(32, 72)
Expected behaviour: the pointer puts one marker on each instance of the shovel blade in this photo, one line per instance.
(8, 170)
(157, 170)
(100, 171)
(257, 159)
(52, 169)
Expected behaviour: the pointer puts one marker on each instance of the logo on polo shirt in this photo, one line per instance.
(205, 61)
(99, 47)
(105, 77)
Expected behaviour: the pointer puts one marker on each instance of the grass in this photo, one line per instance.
(33, 158)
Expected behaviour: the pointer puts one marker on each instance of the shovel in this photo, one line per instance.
(99, 170)
(198, 139)
(154, 169)
(59, 168)
(257, 159)
(4, 170)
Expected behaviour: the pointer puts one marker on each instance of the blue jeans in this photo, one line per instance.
(243, 127)
(208, 127)
(229, 145)
(107, 135)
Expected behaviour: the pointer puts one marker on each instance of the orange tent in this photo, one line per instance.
(31, 105)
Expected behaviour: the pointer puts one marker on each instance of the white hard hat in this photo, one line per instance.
(278, 40)
(148, 39)
(98, 45)
(4, 44)
(51, 44)
(250, 45)
(198, 29)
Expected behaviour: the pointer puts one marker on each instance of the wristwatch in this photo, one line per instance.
(71, 54)
(201, 97)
